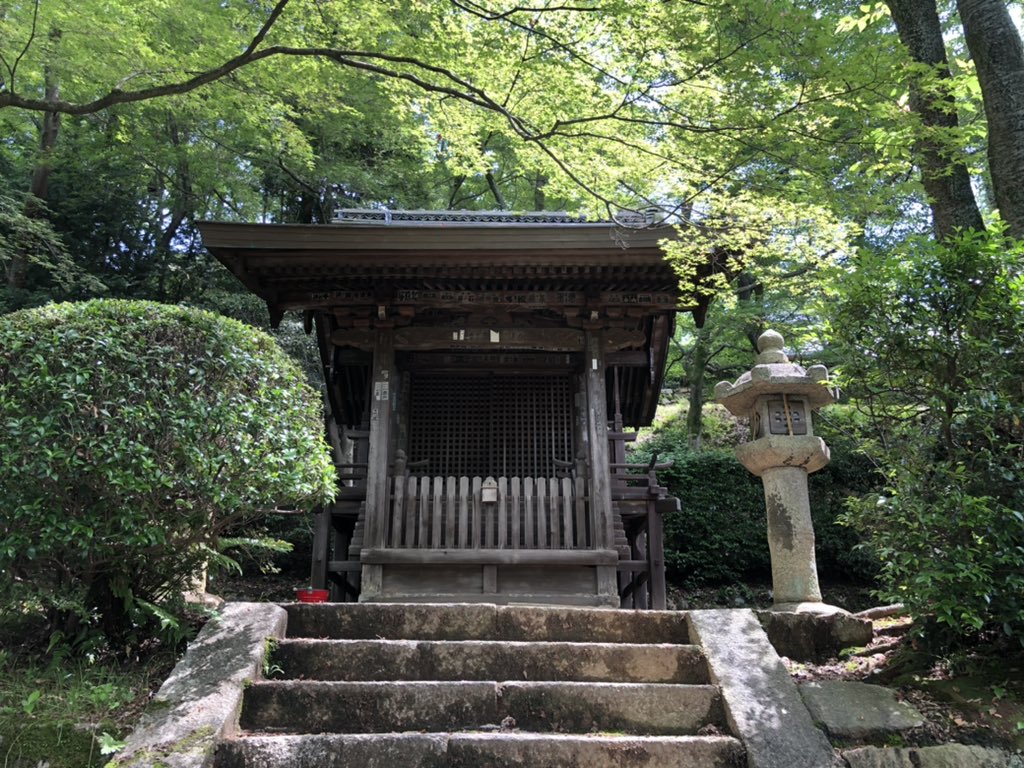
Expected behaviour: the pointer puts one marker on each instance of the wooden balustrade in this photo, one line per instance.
(448, 513)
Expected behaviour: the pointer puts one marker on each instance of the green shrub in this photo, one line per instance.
(841, 552)
(720, 535)
(134, 436)
(933, 334)
(951, 552)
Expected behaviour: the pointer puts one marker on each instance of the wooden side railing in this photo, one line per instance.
(637, 481)
(450, 513)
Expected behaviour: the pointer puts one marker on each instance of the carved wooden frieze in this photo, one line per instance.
(492, 360)
(620, 338)
(550, 339)
(513, 300)
(546, 339)
(423, 339)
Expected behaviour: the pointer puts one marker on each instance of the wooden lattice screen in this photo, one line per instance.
(502, 425)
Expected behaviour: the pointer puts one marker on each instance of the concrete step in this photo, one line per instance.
(480, 750)
(376, 707)
(368, 707)
(645, 709)
(411, 621)
(489, 660)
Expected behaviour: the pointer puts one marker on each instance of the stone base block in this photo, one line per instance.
(806, 636)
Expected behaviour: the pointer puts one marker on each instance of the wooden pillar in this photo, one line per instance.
(321, 545)
(381, 404)
(600, 482)
(656, 557)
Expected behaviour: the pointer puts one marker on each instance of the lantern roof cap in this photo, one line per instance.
(774, 374)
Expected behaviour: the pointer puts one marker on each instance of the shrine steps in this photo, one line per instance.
(305, 706)
(354, 660)
(482, 750)
(385, 685)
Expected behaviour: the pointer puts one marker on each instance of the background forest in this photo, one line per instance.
(853, 169)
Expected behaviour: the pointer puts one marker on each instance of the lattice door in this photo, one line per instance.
(502, 425)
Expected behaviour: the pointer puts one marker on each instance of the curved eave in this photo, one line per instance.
(451, 237)
(272, 260)
(282, 263)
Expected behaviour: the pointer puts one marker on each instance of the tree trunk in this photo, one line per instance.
(748, 291)
(947, 184)
(698, 370)
(17, 270)
(180, 193)
(998, 54)
(492, 185)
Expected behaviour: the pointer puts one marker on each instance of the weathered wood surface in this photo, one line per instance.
(508, 360)
(427, 338)
(597, 426)
(462, 300)
(540, 557)
(380, 433)
(447, 513)
(321, 538)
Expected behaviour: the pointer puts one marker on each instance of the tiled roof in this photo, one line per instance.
(385, 216)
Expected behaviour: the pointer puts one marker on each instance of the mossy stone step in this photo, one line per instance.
(378, 707)
(411, 621)
(480, 750)
(354, 660)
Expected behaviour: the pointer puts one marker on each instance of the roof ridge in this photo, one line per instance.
(387, 216)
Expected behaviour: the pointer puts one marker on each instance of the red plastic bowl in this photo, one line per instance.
(312, 595)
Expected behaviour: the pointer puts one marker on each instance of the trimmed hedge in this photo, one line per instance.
(720, 536)
(134, 436)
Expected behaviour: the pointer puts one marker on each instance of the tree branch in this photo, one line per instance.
(13, 69)
(481, 11)
(117, 96)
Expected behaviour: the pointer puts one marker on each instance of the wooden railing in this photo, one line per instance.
(637, 481)
(450, 513)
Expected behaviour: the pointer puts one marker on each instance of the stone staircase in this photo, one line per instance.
(403, 686)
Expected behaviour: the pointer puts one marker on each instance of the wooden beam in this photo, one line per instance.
(305, 296)
(549, 339)
(364, 339)
(427, 338)
(656, 554)
(423, 339)
(620, 338)
(321, 541)
(502, 598)
(344, 566)
(597, 426)
(490, 556)
(633, 358)
(593, 242)
(382, 400)
(518, 360)
(600, 483)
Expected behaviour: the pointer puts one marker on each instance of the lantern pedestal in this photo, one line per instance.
(783, 464)
(779, 397)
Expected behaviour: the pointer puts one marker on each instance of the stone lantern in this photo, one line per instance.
(779, 397)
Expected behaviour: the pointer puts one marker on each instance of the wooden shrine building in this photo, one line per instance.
(482, 372)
